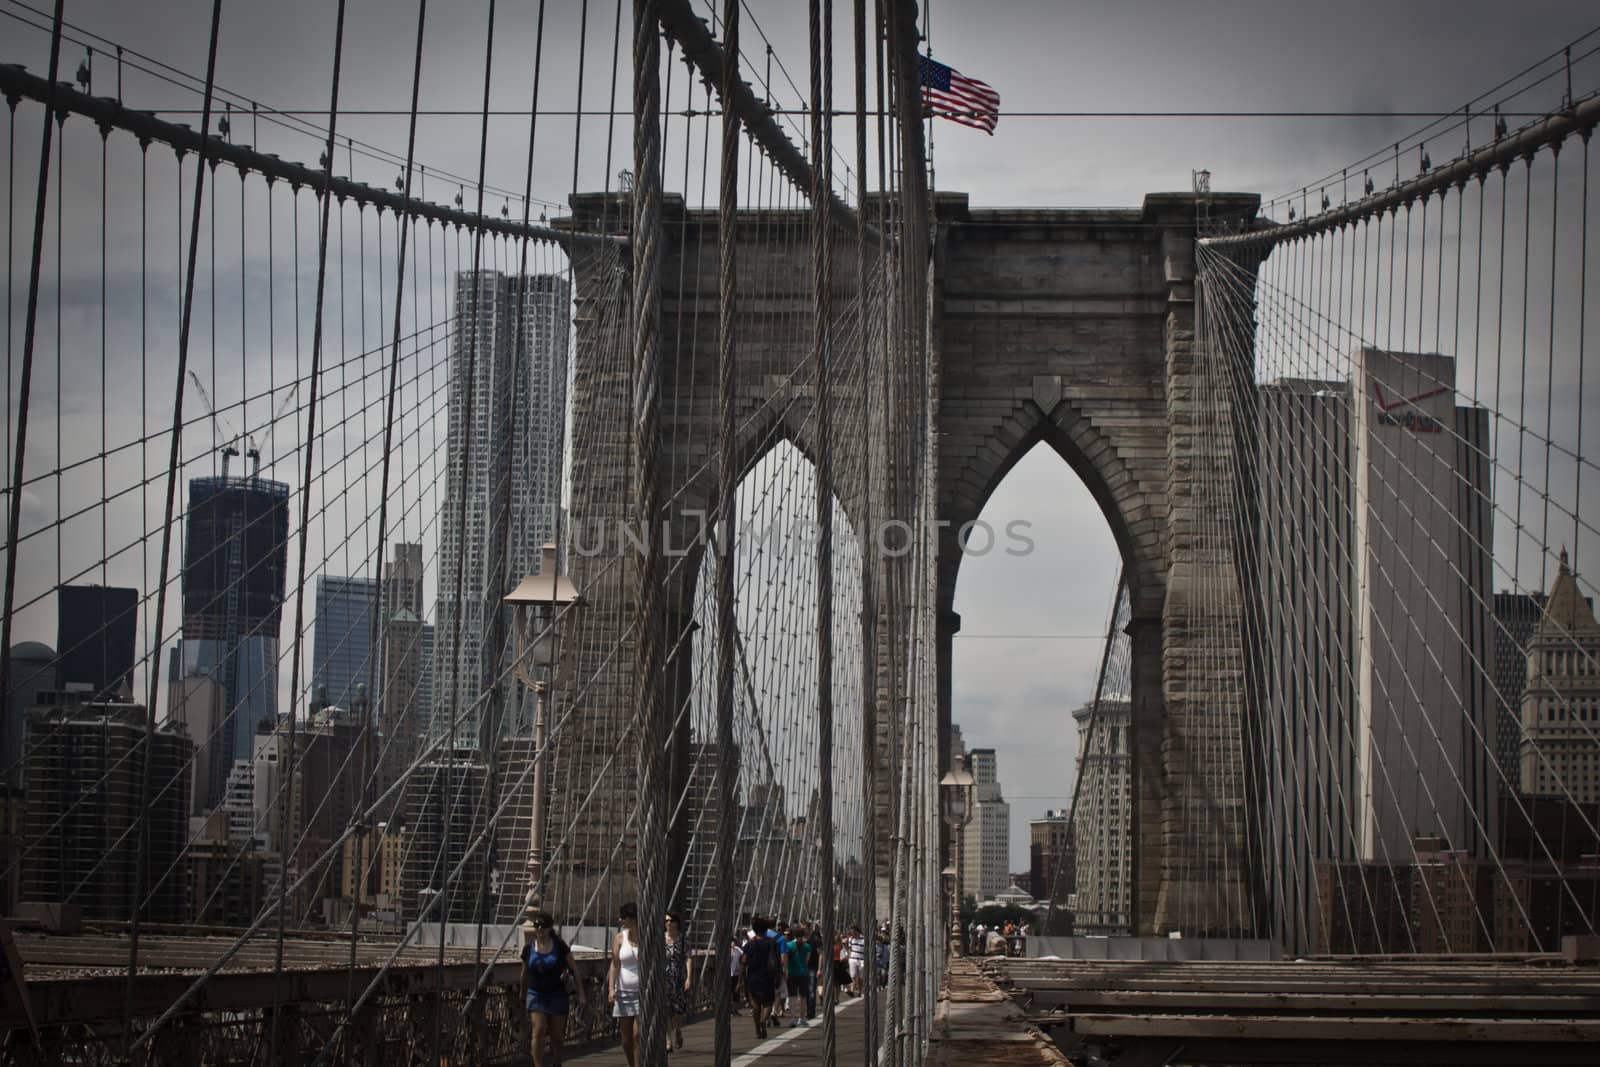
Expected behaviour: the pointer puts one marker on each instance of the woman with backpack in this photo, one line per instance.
(546, 965)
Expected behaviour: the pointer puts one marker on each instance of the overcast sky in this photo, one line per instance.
(1031, 625)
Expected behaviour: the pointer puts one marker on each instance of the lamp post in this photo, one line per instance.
(956, 789)
(538, 599)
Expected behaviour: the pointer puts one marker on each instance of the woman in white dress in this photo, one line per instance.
(622, 981)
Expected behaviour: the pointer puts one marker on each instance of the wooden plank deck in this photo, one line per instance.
(785, 1045)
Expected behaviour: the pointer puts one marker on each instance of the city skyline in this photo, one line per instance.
(1216, 61)
(1222, 398)
(1047, 475)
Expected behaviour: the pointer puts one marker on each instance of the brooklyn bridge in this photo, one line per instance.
(548, 517)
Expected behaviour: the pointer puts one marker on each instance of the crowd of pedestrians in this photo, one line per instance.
(1007, 939)
(777, 970)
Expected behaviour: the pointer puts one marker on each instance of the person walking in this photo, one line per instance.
(546, 964)
(814, 965)
(622, 980)
(680, 975)
(780, 1002)
(735, 974)
(841, 967)
(762, 967)
(856, 953)
(797, 972)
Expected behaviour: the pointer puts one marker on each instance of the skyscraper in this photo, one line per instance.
(1050, 868)
(1421, 549)
(343, 649)
(1515, 616)
(405, 689)
(33, 671)
(86, 796)
(986, 851)
(1375, 605)
(196, 702)
(234, 565)
(1103, 830)
(1560, 745)
(95, 628)
(510, 346)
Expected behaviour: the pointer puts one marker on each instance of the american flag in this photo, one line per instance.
(952, 95)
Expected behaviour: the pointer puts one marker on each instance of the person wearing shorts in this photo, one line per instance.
(546, 965)
(856, 954)
(622, 981)
(797, 972)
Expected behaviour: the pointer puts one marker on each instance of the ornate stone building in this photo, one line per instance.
(1560, 745)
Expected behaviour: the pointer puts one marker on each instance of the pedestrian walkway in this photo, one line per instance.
(785, 1045)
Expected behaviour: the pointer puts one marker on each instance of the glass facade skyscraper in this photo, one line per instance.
(344, 646)
(234, 565)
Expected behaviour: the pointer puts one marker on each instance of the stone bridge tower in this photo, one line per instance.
(1071, 327)
(1077, 328)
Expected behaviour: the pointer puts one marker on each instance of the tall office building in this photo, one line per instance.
(1560, 745)
(986, 848)
(402, 580)
(86, 796)
(445, 809)
(197, 703)
(95, 633)
(33, 671)
(512, 333)
(1374, 613)
(1515, 616)
(1050, 867)
(1422, 604)
(1103, 832)
(405, 689)
(234, 565)
(343, 643)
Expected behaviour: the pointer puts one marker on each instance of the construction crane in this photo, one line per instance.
(218, 425)
(223, 429)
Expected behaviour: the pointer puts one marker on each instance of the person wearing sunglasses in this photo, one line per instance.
(546, 964)
(622, 980)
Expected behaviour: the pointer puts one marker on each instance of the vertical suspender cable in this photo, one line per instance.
(380, 695)
(821, 282)
(446, 798)
(30, 322)
(288, 762)
(1583, 323)
(172, 477)
(727, 489)
(649, 714)
(865, 906)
